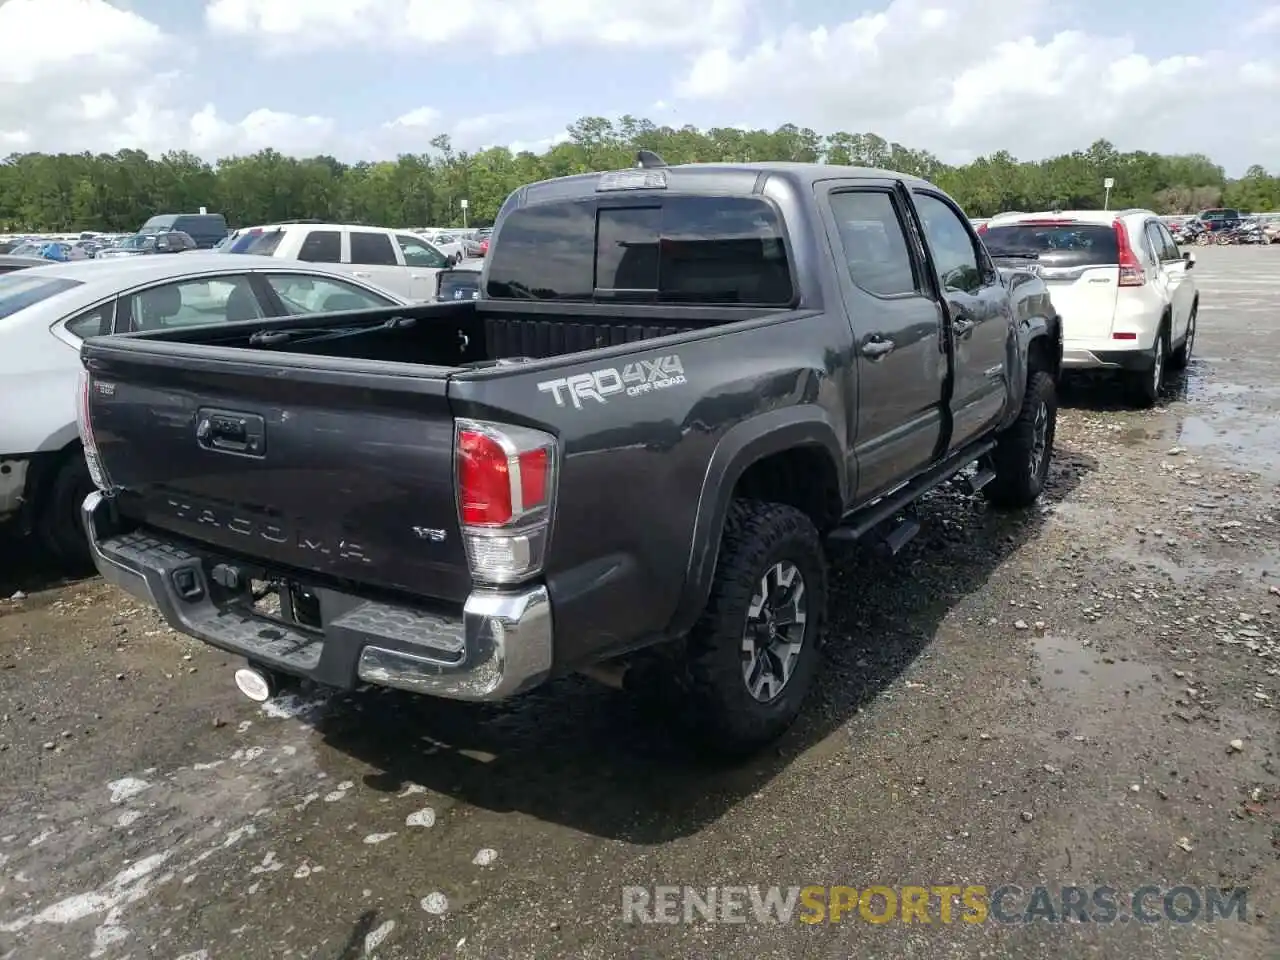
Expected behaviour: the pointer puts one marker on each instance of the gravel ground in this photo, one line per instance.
(1085, 695)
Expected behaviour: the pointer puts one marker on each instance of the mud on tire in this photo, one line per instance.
(761, 541)
(1023, 452)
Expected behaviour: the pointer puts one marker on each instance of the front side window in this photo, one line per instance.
(302, 294)
(418, 253)
(954, 253)
(671, 249)
(191, 303)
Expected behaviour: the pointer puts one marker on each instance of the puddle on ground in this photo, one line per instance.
(1069, 665)
(1247, 437)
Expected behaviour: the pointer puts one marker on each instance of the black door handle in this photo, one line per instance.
(877, 347)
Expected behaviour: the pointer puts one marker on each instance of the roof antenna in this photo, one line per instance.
(647, 159)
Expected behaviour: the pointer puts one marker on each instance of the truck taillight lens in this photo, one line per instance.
(85, 426)
(506, 481)
(1132, 273)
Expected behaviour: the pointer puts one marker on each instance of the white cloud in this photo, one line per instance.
(419, 119)
(502, 26)
(976, 76)
(1267, 21)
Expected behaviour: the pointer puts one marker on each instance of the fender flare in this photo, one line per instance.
(741, 446)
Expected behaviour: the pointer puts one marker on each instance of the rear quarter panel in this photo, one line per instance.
(1035, 319)
(650, 441)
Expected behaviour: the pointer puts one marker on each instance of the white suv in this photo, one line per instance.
(1126, 293)
(394, 259)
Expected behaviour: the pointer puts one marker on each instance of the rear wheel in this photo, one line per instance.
(1181, 358)
(58, 524)
(753, 655)
(1023, 452)
(1146, 384)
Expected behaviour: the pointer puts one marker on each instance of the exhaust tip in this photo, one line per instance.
(254, 684)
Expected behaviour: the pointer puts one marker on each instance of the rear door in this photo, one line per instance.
(1173, 276)
(1080, 262)
(373, 257)
(897, 330)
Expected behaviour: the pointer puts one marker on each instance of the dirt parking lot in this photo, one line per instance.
(1085, 695)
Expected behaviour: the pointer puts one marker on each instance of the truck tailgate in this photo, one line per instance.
(345, 471)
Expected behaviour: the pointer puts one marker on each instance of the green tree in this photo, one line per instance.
(120, 191)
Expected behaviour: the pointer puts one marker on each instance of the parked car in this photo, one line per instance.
(1126, 293)
(623, 456)
(461, 282)
(47, 311)
(206, 229)
(143, 244)
(393, 259)
(1219, 218)
(453, 247)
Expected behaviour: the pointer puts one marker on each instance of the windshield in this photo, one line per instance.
(1058, 245)
(20, 290)
(141, 241)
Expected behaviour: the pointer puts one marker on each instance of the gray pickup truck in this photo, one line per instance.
(626, 451)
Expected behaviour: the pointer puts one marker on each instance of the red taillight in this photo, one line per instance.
(85, 427)
(982, 228)
(506, 484)
(1131, 272)
(498, 482)
(1045, 223)
(1124, 336)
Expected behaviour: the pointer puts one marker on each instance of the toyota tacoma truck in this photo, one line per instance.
(622, 458)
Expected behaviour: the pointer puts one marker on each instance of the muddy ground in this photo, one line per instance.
(1041, 699)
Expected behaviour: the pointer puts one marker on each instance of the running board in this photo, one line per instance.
(978, 480)
(858, 524)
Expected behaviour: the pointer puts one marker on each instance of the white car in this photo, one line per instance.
(395, 259)
(46, 312)
(1126, 293)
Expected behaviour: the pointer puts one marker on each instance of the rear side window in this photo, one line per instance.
(875, 246)
(261, 243)
(321, 246)
(372, 249)
(19, 290)
(690, 250)
(1058, 244)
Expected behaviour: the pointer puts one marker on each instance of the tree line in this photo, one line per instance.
(117, 192)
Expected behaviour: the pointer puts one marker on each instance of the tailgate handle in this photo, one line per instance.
(228, 431)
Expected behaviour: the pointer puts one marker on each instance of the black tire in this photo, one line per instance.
(1145, 384)
(58, 524)
(758, 539)
(1180, 359)
(1024, 451)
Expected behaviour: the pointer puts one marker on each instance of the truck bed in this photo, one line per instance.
(459, 334)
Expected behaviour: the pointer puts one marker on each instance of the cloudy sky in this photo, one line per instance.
(366, 79)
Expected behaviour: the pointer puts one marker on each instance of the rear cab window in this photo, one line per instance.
(19, 290)
(257, 241)
(1058, 243)
(671, 249)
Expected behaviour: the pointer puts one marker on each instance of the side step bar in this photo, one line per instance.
(857, 525)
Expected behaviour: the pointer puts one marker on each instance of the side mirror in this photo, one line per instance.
(1190, 258)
